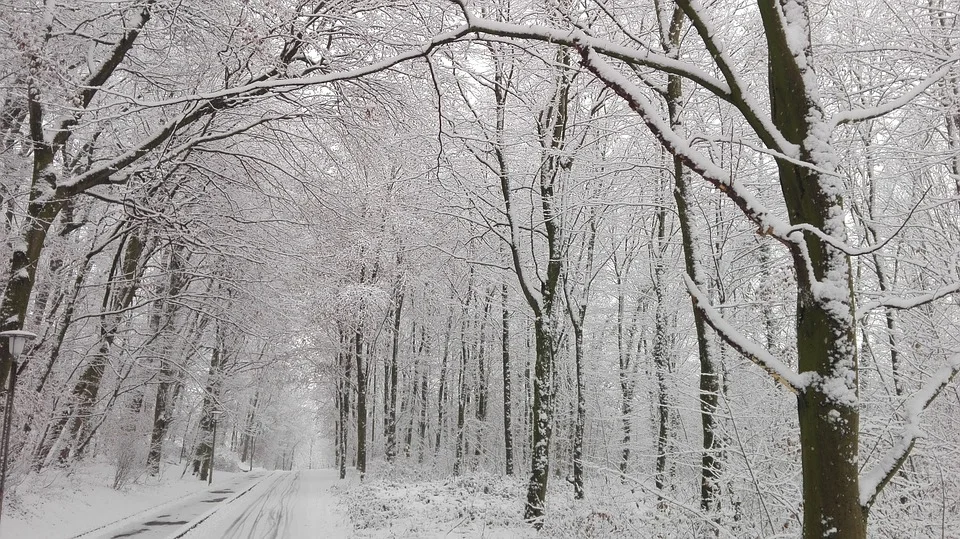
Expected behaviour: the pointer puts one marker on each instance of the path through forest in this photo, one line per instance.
(277, 505)
(284, 505)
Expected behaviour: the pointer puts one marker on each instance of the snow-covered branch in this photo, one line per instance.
(582, 41)
(900, 303)
(696, 161)
(872, 482)
(279, 85)
(863, 114)
(740, 96)
(739, 342)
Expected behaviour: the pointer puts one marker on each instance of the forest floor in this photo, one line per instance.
(468, 506)
(402, 504)
(299, 504)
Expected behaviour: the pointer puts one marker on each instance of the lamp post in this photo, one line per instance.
(16, 340)
(213, 445)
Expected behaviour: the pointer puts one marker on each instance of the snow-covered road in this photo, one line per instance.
(288, 505)
(276, 505)
(159, 521)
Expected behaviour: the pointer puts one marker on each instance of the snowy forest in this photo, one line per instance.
(637, 268)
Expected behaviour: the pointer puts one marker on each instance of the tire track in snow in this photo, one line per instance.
(269, 516)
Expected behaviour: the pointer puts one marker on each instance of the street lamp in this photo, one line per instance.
(16, 340)
(213, 446)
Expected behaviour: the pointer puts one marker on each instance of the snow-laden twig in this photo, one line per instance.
(863, 114)
(873, 481)
(739, 342)
(279, 85)
(900, 303)
(740, 96)
(854, 251)
(696, 161)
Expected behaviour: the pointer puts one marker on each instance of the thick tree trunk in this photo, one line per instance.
(169, 375)
(25, 258)
(826, 348)
(203, 456)
(542, 423)
(246, 435)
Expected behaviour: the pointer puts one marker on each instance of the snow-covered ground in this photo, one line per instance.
(308, 504)
(470, 506)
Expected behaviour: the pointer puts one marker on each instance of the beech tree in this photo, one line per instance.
(368, 221)
(797, 130)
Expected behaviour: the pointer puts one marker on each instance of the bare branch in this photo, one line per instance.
(873, 482)
(739, 342)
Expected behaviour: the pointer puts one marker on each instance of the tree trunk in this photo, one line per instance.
(507, 382)
(169, 376)
(391, 381)
(481, 409)
(359, 358)
(25, 258)
(625, 354)
(203, 456)
(462, 378)
(709, 377)
(542, 423)
(578, 491)
(118, 296)
(826, 348)
(442, 390)
(346, 389)
(661, 354)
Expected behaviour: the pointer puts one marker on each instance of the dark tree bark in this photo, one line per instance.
(481, 406)
(203, 455)
(346, 390)
(625, 353)
(462, 377)
(710, 464)
(391, 381)
(169, 375)
(359, 360)
(123, 283)
(442, 390)
(507, 382)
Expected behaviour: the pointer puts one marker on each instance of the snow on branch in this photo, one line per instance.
(280, 85)
(872, 482)
(896, 302)
(696, 161)
(863, 114)
(740, 96)
(578, 39)
(739, 342)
